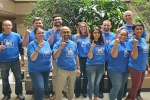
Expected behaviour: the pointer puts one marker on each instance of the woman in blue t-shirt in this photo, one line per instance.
(82, 39)
(138, 48)
(118, 64)
(39, 63)
(95, 62)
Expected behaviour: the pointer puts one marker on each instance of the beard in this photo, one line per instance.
(58, 24)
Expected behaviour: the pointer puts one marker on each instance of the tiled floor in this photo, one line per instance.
(145, 95)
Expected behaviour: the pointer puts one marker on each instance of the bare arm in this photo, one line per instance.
(25, 40)
(51, 39)
(34, 56)
(90, 54)
(58, 51)
(134, 53)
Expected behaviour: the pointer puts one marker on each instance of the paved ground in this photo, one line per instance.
(145, 95)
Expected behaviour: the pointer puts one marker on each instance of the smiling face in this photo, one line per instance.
(38, 23)
(39, 34)
(57, 21)
(106, 26)
(7, 26)
(65, 32)
(82, 29)
(138, 31)
(128, 16)
(122, 35)
(96, 34)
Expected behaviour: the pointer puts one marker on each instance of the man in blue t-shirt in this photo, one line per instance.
(10, 48)
(128, 17)
(67, 61)
(30, 36)
(54, 37)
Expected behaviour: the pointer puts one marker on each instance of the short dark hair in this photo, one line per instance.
(37, 18)
(55, 15)
(36, 30)
(137, 24)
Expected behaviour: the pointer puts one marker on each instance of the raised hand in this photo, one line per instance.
(27, 30)
(63, 43)
(54, 29)
(117, 41)
(135, 42)
(41, 43)
(93, 44)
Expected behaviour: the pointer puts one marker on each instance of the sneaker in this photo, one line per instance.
(101, 95)
(6, 97)
(53, 96)
(77, 95)
(65, 94)
(21, 97)
(138, 97)
(84, 94)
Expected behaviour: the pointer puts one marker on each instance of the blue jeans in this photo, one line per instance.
(82, 61)
(15, 68)
(94, 74)
(39, 81)
(118, 81)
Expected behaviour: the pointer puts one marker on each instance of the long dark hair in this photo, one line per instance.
(100, 39)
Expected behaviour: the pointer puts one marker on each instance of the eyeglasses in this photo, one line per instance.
(57, 19)
(67, 32)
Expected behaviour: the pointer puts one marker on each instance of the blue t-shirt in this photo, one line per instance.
(42, 63)
(143, 48)
(108, 37)
(98, 54)
(32, 36)
(11, 51)
(130, 32)
(120, 63)
(66, 60)
(81, 45)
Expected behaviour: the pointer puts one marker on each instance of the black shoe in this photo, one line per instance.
(21, 97)
(47, 95)
(84, 94)
(138, 97)
(77, 95)
(101, 95)
(6, 97)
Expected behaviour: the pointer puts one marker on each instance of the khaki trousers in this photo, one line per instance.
(62, 77)
(54, 75)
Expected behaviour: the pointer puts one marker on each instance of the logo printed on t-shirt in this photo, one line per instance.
(130, 34)
(83, 43)
(126, 54)
(145, 47)
(107, 40)
(69, 52)
(46, 52)
(99, 50)
(8, 43)
(59, 37)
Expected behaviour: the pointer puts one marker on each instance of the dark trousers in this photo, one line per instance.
(15, 68)
(82, 61)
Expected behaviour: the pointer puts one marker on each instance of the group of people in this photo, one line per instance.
(88, 53)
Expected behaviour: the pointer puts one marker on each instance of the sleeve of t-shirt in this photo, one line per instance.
(47, 34)
(130, 45)
(56, 46)
(87, 49)
(19, 39)
(30, 49)
(144, 34)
